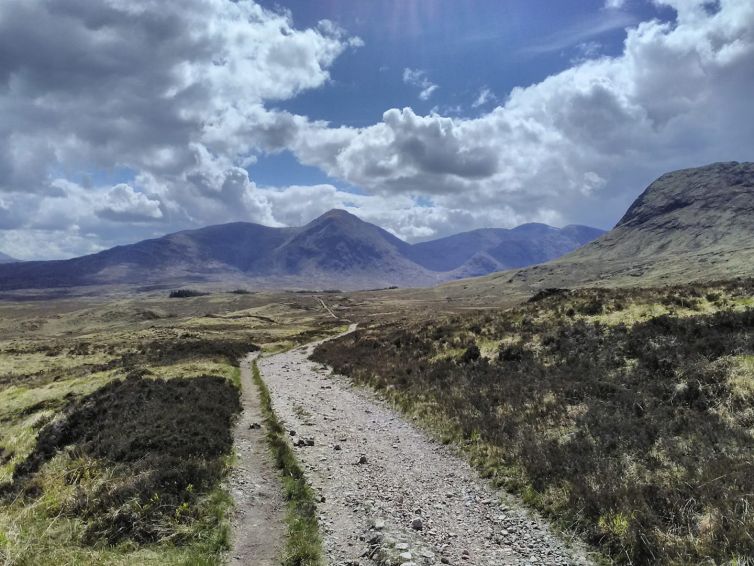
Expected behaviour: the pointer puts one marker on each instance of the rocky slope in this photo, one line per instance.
(693, 211)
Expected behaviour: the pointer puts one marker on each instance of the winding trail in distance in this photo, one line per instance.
(387, 487)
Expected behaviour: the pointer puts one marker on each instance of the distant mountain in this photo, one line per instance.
(6, 258)
(504, 249)
(336, 250)
(693, 224)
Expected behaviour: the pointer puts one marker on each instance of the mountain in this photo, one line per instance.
(6, 258)
(689, 224)
(336, 250)
(692, 224)
(525, 245)
(340, 243)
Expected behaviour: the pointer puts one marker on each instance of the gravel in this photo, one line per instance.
(390, 491)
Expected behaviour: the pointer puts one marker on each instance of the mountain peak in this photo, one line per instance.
(337, 213)
(689, 194)
(338, 217)
(688, 225)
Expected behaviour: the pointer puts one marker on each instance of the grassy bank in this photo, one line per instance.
(116, 421)
(304, 546)
(625, 414)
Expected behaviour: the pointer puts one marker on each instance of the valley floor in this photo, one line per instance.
(389, 493)
(624, 415)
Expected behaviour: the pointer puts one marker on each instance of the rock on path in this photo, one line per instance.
(389, 493)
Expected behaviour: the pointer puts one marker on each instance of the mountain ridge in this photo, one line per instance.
(337, 249)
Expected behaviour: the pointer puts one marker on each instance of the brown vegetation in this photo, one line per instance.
(162, 439)
(626, 413)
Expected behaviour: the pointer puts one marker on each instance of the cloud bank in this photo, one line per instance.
(581, 142)
(129, 119)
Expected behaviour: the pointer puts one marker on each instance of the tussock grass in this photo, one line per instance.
(304, 545)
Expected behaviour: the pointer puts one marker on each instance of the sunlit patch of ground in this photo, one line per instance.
(60, 360)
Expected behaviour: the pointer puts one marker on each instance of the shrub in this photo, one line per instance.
(159, 437)
(186, 293)
(471, 354)
(637, 428)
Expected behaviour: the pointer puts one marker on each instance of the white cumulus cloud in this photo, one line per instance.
(582, 143)
(419, 79)
(122, 203)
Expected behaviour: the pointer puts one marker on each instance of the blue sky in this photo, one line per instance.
(123, 121)
(462, 46)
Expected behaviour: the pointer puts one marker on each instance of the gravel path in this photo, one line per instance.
(390, 494)
(258, 520)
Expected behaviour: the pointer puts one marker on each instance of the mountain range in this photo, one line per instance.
(336, 250)
(6, 258)
(687, 225)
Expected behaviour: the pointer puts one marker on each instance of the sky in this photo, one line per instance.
(125, 120)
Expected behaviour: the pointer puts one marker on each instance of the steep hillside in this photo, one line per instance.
(693, 211)
(688, 225)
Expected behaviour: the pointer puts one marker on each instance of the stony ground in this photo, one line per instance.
(258, 519)
(389, 493)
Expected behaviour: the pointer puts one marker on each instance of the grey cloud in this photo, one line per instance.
(436, 147)
(119, 83)
(404, 153)
(581, 144)
(8, 218)
(123, 204)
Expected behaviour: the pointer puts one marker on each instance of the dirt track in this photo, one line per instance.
(390, 494)
(258, 520)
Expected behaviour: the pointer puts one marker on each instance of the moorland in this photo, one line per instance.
(611, 390)
(117, 421)
(624, 414)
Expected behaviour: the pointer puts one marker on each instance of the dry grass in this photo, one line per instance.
(55, 354)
